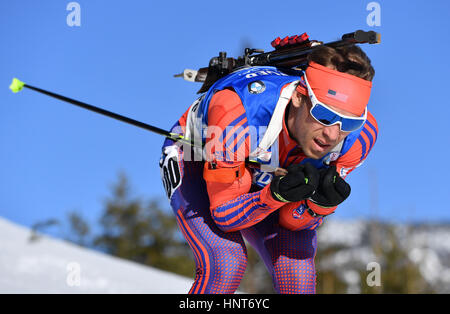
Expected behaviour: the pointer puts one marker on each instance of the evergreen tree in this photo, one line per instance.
(398, 273)
(142, 232)
(328, 280)
(79, 230)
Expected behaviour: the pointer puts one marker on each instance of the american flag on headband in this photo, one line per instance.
(336, 95)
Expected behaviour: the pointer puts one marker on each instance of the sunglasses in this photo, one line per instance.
(327, 116)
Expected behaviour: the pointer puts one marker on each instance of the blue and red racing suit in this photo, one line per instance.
(247, 109)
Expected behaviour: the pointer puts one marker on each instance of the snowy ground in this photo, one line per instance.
(47, 265)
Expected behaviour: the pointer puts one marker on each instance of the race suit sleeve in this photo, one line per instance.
(232, 205)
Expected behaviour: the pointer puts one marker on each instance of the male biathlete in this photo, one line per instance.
(313, 123)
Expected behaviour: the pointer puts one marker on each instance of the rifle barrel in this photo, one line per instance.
(297, 56)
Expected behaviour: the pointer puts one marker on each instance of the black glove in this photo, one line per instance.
(298, 184)
(332, 189)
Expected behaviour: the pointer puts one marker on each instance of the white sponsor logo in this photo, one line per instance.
(264, 72)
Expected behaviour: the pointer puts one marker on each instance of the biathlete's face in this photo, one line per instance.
(315, 139)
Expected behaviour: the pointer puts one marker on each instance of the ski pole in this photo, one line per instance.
(17, 85)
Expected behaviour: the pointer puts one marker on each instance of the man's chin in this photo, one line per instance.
(310, 153)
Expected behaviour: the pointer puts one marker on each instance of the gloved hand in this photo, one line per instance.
(332, 189)
(298, 184)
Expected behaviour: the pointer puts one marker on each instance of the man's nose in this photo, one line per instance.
(332, 132)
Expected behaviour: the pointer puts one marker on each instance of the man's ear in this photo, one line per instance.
(297, 99)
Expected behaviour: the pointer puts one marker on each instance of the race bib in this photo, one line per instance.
(170, 169)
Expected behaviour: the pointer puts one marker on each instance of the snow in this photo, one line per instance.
(48, 265)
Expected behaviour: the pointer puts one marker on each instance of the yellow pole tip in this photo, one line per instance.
(16, 85)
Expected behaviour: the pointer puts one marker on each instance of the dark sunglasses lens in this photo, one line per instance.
(325, 121)
(325, 116)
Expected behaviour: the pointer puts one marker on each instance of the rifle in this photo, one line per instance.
(290, 52)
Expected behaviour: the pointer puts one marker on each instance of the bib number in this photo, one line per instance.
(170, 170)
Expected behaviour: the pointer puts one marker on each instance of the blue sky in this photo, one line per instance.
(55, 158)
